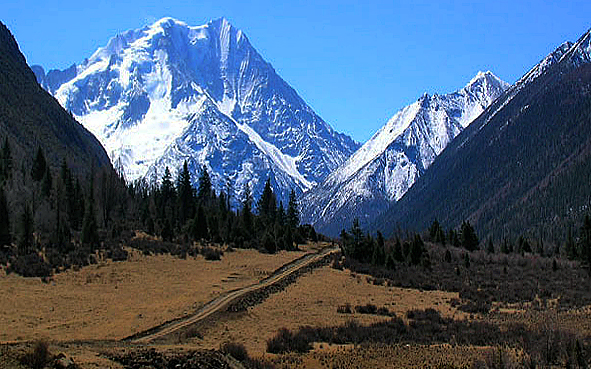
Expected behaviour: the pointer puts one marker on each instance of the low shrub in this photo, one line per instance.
(210, 253)
(236, 350)
(30, 265)
(38, 358)
(366, 309)
(344, 309)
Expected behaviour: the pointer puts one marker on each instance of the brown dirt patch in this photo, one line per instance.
(114, 300)
(313, 301)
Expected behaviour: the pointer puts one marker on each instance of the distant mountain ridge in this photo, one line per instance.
(170, 92)
(388, 164)
(522, 166)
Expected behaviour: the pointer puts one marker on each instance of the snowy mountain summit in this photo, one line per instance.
(388, 164)
(170, 92)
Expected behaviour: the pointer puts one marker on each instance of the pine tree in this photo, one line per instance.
(468, 237)
(490, 248)
(89, 234)
(293, 214)
(47, 183)
(416, 250)
(397, 252)
(571, 250)
(5, 236)
(185, 195)
(281, 217)
(379, 251)
(200, 229)
(39, 165)
(5, 161)
(204, 187)
(356, 239)
(267, 205)
(585, 242)
(26, 239)
(166, 188)
(246, 213)
(435, 232)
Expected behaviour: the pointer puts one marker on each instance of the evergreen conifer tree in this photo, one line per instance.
(200, 228)
(5, 235)
(416, 250)
(490, 248)
(468, 237)
(293, 214)
(38, 167)
(246, 213)
(5, 161)
(89, 234)
(204, 188)
(185, 195)
(585, 242)
(26, 239)
(47, 183)
(267, 205)
(397, 252)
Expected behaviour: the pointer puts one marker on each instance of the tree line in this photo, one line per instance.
(52, 219)
(411, 249)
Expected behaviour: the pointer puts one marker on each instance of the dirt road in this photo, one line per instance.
(223, 301)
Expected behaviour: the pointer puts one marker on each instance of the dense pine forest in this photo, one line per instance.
(53, 220)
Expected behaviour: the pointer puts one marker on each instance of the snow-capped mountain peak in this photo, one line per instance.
(155, 96)
(385, 167)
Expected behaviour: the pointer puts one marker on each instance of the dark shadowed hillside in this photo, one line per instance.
(32, 118)
(523, 166)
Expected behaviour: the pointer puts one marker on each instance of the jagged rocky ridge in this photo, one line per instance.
(388, 164)
(170, 92)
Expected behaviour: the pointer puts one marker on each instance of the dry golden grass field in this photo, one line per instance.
(313, 301)
(113, 300)
(85, 313)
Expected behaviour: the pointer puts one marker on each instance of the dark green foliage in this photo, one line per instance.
(416, 250)
(29, 265)
(490, 248)
(454, 240)
(293, 214)
(379, 251)
(5, 234)
(447, 256)
(25, 243)
(436, 233)
(397, 251)
(571, 249)
(204, 186)
(585, 243)
(186, 198)
(47, 183)
(5, 161)
(89, 226)
(246, 213)
(523, 245)
(467, 260)
(200, 230)
(267, 205)
(39, 166)
(468, 237)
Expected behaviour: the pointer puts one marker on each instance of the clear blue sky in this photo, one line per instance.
(355, 62)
